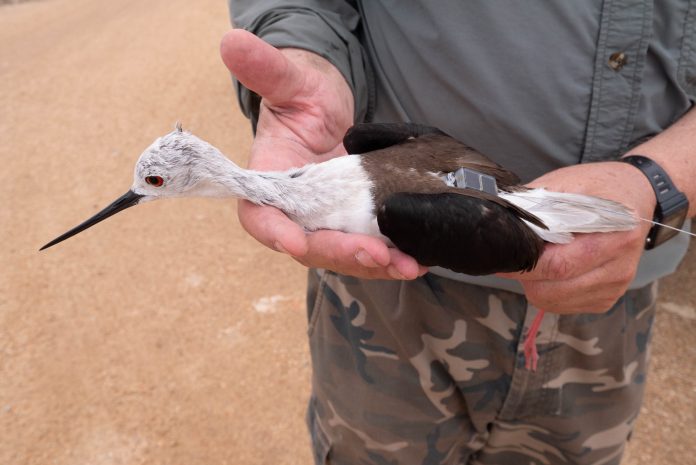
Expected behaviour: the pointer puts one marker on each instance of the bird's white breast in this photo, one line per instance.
(336, 194)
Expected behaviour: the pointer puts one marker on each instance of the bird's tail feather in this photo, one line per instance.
(566, 213)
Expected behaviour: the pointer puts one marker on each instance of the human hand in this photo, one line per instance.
(591, 273)
(306, 108)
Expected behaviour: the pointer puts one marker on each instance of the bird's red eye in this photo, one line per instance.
(156, 181)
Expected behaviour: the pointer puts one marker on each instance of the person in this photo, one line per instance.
(424, 366)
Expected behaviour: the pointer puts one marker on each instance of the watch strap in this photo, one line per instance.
(670, 200)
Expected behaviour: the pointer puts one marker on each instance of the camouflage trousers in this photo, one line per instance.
(432, 372)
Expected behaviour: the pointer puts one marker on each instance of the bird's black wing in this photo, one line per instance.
(368, 137)
(462, 233)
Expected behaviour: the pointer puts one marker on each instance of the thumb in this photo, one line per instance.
(260, 67)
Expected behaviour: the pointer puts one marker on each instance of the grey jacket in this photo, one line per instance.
(533, 85)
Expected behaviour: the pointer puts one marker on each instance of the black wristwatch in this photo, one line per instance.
(672, 204)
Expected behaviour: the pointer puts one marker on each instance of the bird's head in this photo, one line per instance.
(175, 165)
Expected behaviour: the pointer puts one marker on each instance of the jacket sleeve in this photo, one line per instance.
(329, 28)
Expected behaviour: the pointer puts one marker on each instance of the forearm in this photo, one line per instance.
(675, 151)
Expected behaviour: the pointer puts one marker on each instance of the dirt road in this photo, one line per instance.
(166, 335)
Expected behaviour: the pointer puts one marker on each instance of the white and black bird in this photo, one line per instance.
(413, 186)
(418, 189)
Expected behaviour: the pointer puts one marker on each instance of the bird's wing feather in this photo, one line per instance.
(368, 137)
(436, 152)
(462, 233)
(516, 210)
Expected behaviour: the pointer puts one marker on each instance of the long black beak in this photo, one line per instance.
(128, 199)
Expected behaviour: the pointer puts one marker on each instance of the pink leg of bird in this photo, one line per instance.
(531, 356)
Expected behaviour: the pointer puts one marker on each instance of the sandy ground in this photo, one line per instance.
(166, 335)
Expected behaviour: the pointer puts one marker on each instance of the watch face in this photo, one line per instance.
(675, 221)
(663, 234)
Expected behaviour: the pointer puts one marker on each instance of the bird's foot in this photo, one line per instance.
(531, 356)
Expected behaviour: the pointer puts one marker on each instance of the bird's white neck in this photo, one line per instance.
(293, 192)
(335, 194)
(220, 177)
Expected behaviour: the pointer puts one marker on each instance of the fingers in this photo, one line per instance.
(260, 67)
(404, 266)
(593, 292)
(350, 254)
(272, 228)
(586, 276)
(358, 255)
(568, 261)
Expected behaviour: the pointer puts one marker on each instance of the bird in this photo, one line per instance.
(411, 185)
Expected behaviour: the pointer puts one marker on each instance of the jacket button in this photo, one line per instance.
(617, 60)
